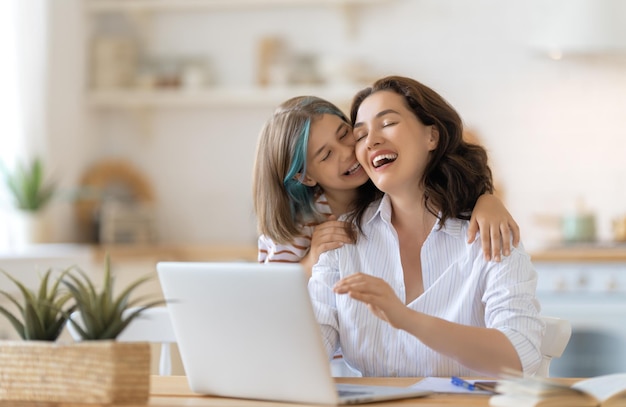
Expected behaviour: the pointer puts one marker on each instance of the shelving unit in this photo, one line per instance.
(213, 97)
(100, 6)
(141, 12)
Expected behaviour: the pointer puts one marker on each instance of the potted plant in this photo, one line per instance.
(31, 192)
(41, 315)
(96, 370)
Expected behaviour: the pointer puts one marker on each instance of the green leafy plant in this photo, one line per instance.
(42, 314)
(31, 192)
(102, 313)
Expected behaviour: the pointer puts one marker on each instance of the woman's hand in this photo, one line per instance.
(377, 294)
(496, 226)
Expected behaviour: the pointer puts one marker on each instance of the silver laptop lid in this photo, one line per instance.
(247, 330)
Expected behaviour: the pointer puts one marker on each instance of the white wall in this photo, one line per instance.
(554, 129)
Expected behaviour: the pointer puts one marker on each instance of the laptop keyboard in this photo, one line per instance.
(348, 393)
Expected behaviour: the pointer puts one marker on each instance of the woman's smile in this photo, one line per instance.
(381, 159)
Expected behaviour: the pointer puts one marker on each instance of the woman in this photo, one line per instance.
(306, 176)
(412, 297)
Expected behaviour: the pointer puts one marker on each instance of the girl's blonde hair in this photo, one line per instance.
(282, 203)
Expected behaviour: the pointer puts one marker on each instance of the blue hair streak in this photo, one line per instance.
(302, 197)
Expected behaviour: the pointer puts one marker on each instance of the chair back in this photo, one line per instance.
(557, 334)
(152, 325)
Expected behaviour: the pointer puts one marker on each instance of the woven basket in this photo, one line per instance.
(102, 372)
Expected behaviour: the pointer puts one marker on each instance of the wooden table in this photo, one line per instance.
(173, 391)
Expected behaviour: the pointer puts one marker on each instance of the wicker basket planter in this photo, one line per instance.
(103, 372)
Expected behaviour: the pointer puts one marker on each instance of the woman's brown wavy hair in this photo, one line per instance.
(456, 174)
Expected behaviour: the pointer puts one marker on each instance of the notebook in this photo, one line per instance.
(247, 330)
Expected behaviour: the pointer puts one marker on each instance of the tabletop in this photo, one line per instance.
(173, 391)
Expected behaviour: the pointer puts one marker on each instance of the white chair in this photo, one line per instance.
(557, 334)
(339, 368)
(152, 325)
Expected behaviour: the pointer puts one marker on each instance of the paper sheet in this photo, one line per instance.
(444, 385)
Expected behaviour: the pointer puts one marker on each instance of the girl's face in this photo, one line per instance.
(331, 162)
(392, 144)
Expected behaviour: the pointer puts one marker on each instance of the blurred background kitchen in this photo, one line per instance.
(146, 113)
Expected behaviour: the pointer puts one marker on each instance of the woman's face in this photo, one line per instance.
(392, 144)
(331, 162)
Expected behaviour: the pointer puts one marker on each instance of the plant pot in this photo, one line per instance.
(619, 229)
(29, 228)
(103, 372)
(578, 228)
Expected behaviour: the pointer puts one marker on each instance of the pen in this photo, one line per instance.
(457, 381)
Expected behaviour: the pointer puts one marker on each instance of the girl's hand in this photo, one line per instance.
(377, 294)
(496, 226)
(328, 235)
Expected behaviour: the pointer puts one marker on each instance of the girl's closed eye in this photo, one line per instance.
(326, 155)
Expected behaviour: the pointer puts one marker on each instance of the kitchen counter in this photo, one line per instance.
(157, 252)
(582, 252)
(574, 253)
(609, 252)
(605, 252)
(171, 252)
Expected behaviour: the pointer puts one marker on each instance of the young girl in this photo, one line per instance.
(306, 176)
(412, 297)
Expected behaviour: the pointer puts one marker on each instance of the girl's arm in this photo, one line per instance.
(269, 251)
(326, 236)
(496, 225)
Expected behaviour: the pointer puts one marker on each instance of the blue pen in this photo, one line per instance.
(457, 381)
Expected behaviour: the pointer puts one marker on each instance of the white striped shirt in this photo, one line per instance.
(459, 286)
(271, 252)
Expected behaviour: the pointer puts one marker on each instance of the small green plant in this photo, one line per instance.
(31, 192)
(42, 314)
(101, 312)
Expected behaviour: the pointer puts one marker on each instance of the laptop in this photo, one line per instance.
(247, 330)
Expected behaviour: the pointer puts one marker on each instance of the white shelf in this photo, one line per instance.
(217, 97)
(102, 6)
